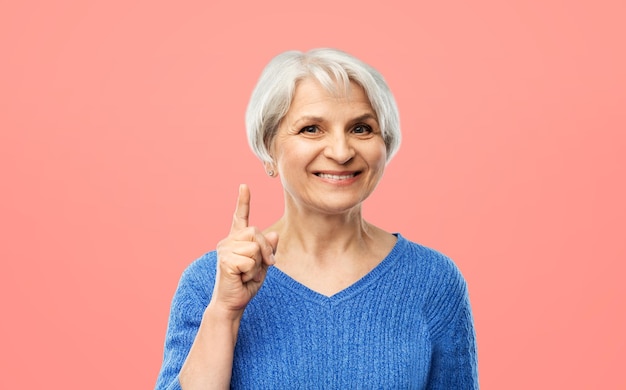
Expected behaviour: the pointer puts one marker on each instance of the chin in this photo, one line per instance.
(338, 206)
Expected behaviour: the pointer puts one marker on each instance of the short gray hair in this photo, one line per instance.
(274, 92)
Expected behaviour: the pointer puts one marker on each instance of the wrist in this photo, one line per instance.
(222, 317)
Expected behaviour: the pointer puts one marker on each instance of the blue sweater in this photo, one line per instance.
(405, 325)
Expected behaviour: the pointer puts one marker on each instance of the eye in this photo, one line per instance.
(362, 129)
(309, 130)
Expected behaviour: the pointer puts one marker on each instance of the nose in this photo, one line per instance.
(339, 148)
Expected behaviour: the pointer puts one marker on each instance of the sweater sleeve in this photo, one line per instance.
(188, 305)
(454, 362)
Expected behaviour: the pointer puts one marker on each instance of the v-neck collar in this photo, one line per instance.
(278, 276)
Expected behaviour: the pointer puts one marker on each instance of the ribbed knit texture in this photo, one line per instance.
(405, 325)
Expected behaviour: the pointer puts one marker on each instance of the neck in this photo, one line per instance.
(325, 251)
(321, 235)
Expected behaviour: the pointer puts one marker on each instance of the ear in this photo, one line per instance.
(270, 169)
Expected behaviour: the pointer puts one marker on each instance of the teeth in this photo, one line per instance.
(336, 177)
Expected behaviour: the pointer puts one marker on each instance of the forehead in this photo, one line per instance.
(310, 93)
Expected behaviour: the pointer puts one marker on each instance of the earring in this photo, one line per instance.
(270, 172)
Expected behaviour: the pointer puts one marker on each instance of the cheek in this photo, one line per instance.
(289, 155)
(288, 160)
(378, 156)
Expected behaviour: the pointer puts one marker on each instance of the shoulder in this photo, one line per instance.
(442, 286)
(198, 278)
(429, 262)
(438, 278)
(203, 267)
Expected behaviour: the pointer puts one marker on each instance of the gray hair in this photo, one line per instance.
(274, 92)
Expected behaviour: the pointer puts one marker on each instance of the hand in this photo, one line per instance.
(242, 260)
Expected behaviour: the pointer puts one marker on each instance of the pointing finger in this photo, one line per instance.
(242, 212)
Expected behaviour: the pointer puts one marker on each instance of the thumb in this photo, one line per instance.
(272, 239)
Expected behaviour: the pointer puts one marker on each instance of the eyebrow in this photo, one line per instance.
(365, 117)
(360, 118)
(309, 118)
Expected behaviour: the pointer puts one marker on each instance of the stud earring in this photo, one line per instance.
(270, 172)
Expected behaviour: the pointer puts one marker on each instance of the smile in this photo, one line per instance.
(337, 177)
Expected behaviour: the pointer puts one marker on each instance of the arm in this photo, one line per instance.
(200, 342)
(186, 312)
(454, 361)
(210, 360)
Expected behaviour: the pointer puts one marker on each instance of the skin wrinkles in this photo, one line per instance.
(333, 146)
(368, 119)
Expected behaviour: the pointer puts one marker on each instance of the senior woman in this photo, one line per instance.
(321, 299)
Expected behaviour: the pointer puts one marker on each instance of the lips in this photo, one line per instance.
(337, 175)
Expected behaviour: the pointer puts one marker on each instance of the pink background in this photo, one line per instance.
(122, 145)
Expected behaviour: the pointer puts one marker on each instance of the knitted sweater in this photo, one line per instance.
(407, 324)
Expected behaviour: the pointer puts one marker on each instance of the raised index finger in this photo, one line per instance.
(242, 212)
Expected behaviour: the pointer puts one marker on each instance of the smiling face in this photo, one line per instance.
(329, 150)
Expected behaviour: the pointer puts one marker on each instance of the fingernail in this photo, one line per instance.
(272, 259)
